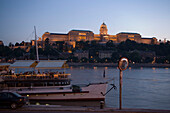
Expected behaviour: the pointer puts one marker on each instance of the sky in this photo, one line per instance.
(150, 18)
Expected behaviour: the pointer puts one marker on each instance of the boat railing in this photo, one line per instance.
(37, 77)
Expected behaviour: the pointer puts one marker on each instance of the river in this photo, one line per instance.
(147, 88)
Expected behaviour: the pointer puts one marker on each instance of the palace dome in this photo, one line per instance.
(103, 29)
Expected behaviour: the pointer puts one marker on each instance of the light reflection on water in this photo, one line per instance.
(142, 87)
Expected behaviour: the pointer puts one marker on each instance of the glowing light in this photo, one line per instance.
(81, 67)
(131, 36)
(82, 33)
(131, 39)
(95, 68)
(28, 95)
(37, 103)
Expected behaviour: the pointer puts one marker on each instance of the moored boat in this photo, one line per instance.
(61, 93)
(88, 95)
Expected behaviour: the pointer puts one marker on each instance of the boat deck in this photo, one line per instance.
(91, 92)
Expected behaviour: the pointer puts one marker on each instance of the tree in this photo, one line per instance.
(5, 51)
(11, 45)
(105, 60)
(160, 59)
(84, 59)
(22, 43)
(110, 45)
(60, 45)
(148, 60)
(115, 57)
(18, 52)
(73, 59)
(135, 57)
(17, 44)
(32, 56)
(46, 41)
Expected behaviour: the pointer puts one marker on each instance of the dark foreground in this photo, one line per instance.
(71, 109)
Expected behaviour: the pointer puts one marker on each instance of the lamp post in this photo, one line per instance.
(123, 64)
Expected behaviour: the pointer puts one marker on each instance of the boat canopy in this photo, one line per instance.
(23, 64)
(51, 64)
(42, 64)
(4, 65)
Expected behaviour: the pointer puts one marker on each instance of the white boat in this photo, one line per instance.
(62, 93)
(89, 95)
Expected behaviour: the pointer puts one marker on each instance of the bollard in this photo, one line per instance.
(101, 104)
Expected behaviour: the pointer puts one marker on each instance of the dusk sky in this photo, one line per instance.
(150, 18)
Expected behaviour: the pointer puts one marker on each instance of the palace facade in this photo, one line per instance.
(86, 35)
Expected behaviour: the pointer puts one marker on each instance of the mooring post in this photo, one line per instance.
(123, 64)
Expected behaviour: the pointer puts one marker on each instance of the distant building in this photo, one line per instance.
(86, 35)
(145, 54)
(81, 54)
(123, 36)
(80, 35)
(149, 40)
(105, 54)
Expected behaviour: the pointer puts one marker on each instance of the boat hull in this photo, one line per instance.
(65, 96)
(90, 92)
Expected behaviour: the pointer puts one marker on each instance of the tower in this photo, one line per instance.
(103, 29)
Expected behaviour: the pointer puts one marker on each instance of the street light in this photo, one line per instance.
(123, 64)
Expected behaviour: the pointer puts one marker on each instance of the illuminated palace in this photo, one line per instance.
(86, 35)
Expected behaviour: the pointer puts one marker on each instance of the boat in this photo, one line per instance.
(32, 75)
(52, 86)
(61, 93)
(70, 95)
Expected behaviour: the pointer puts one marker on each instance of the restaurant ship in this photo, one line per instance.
(43, 84)
(31, 73)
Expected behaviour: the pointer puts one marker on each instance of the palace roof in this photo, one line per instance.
(58, 34)
(128, 33)
(81, 30)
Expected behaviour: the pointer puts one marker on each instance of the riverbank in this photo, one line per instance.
(116, 64)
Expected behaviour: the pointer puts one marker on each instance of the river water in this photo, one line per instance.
(147, 88)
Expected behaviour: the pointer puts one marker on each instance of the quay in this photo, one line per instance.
(77, 109)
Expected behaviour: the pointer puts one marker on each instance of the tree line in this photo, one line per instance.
(135, 52)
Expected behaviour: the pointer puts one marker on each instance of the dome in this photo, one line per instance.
(103, 23)
(103, 29)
